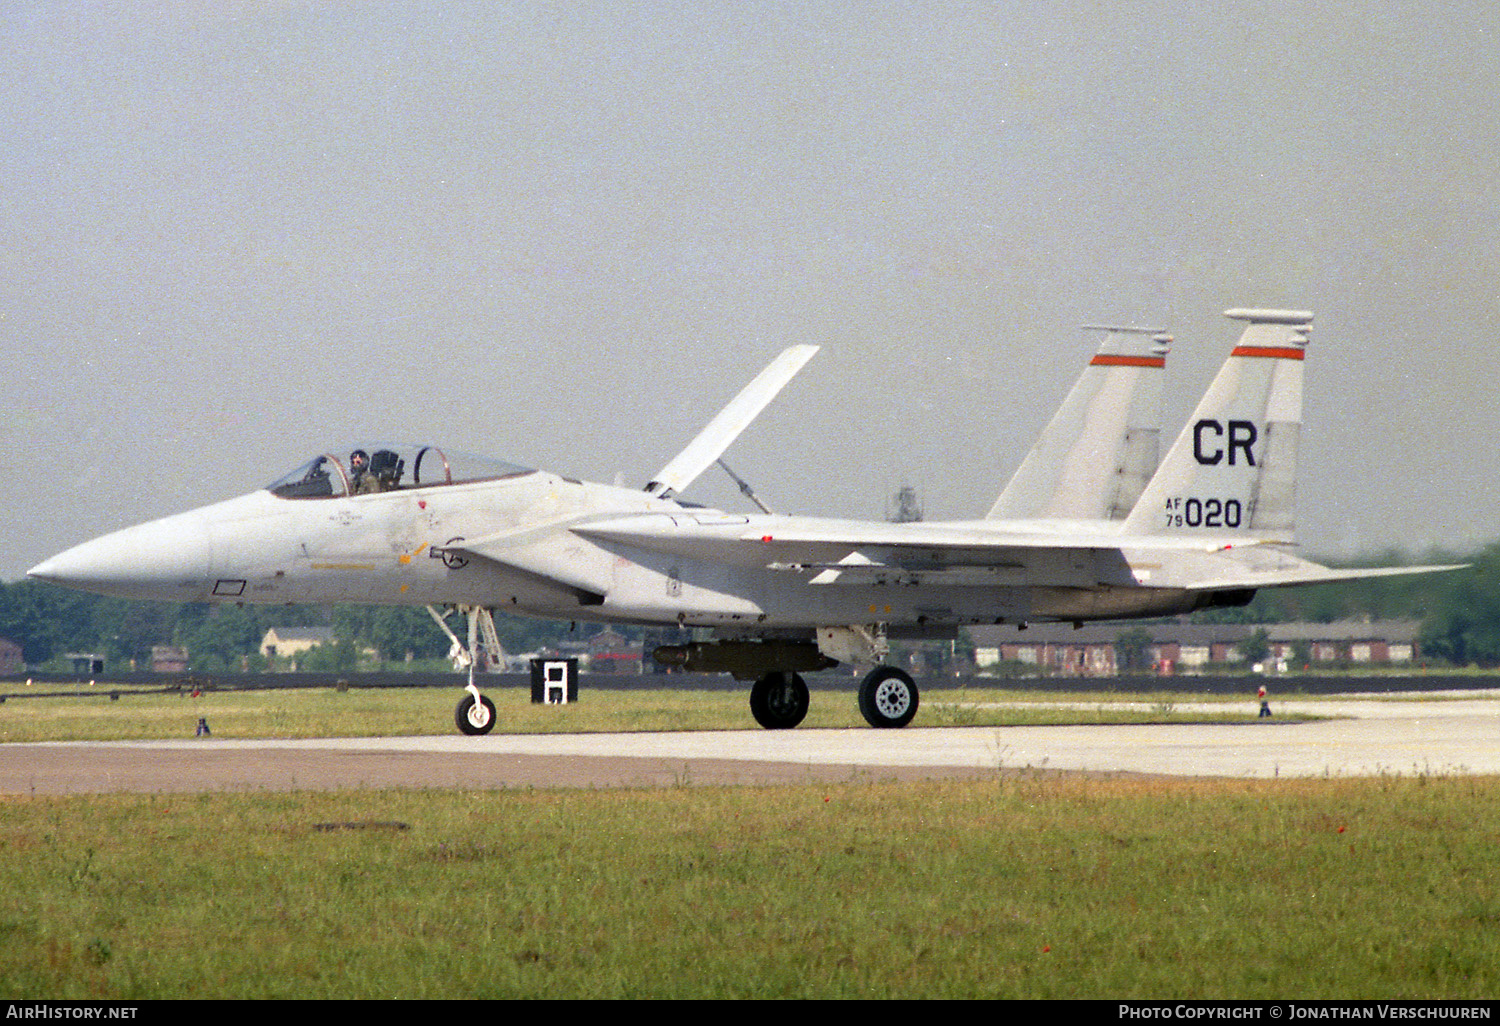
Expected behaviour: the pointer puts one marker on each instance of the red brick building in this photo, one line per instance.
(1093, 651)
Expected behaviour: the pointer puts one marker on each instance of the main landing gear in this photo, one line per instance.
(888, 697)
(778, 701)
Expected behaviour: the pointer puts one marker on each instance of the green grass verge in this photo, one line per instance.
(396, 712)
(1028, 885)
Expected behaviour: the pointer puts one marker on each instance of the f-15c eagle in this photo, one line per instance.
(1092, 527)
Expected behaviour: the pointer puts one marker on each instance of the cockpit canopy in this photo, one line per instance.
(369, 469)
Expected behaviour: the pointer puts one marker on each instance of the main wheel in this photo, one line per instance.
(887, 697)
(778, 701)
(474, 717)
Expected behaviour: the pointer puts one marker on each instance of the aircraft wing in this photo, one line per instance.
(711, 442)
(708, 533)
(851, 551)
(705, 534)
(972, 553)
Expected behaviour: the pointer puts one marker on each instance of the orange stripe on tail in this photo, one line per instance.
(1109, 360)
(1274, 352)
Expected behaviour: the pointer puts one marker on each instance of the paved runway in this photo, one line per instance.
(1405, 737)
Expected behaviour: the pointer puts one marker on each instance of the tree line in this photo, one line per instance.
(48, 622)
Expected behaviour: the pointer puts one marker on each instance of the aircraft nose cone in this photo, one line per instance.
(168, 559)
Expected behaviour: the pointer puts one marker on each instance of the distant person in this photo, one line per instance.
(1265, 705)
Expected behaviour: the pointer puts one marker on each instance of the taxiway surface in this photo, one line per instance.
(1405, 737)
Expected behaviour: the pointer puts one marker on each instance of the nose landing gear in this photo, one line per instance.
(475, 713)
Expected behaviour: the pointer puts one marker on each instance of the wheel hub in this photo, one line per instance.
(782, 699)
(479, 715)
(892, 698)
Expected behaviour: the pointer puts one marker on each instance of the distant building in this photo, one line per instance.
(609, 651)
(169, 659)
(85, 664)
(290, 641)
(1091, 651)
(1376, 642)
(11, 659)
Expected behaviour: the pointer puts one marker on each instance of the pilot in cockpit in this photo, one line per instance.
(359, 465)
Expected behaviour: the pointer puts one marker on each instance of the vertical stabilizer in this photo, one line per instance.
(1100, 449)
(1234, 467)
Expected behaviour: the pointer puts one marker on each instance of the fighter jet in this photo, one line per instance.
(779, 595)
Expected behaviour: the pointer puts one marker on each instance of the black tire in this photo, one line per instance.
(466, 716)
(888, 697)
(778, 701)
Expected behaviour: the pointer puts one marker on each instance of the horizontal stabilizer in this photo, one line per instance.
(1312, 573)
(711, 442)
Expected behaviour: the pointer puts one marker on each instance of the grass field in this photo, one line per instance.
(90, 715)
(1027, 886)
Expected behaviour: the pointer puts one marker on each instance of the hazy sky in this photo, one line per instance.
(236, 234)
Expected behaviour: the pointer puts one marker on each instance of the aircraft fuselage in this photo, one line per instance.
(407, 547)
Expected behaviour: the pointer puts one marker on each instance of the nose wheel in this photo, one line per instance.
(888, 697)
(474, 715)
